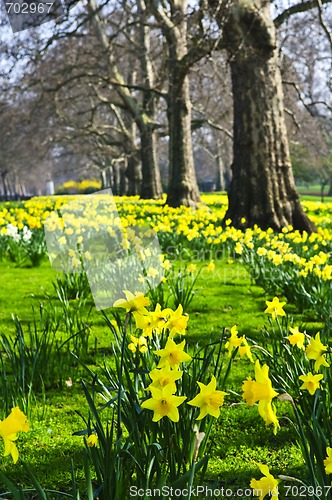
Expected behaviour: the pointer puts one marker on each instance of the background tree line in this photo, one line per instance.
(153, 95)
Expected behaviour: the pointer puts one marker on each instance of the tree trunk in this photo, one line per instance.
(151, 180)
(103, 179)
(134, 175)
(220, 183)
(262, 189)
(123, 181)
(182, 187)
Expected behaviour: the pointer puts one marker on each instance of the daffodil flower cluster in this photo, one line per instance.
(238, 342)
(163, 401)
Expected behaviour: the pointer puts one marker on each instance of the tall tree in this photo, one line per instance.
(141, 112)
(262, 189)
(182, 186)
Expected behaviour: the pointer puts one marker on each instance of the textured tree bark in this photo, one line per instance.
(151, 180)
(220, 183)
(134, 175)
(182, 186)
(262, 189)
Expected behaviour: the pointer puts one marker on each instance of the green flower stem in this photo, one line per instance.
(123, 345)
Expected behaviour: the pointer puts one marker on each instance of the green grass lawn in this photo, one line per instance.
(223, 298)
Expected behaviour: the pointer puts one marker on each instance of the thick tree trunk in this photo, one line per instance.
(123, 181)
(182, 188)
(151, 180)
(262, 189)
(134, 175)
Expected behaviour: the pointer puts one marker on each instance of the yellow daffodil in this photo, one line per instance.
(261, 391)
(267, 485)
(191, 268)
(92, 440)
(261, 251)
(211, 266)
(245, 349)
(208, 400)
(166, 265)
(311, 382)
(173, 354)
(138, 343)
(152, 272)
(164, 376)
(233, 341)
(275, 308)
(315, 350)
(134, 303)
(328, 461)
(238, 248)
(177, 322)
(163, 403)
(153, 321)
(297, 338)
(9, 427)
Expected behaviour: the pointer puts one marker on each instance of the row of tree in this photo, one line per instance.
(131, 89)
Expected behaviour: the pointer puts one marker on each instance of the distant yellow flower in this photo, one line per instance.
(166, 265)
(315, 350)
(125, 244)
(238, 248)
(152, 272)
(261, 390)
(75, 262)
(173, 354)
(275, 308)
(92, 440)
(297, 338)
(62, 240)
(311, 382)
(211, 266)
(9, 427)
(163, 403)
(138, 343)
(267, 485)
(328, 461)
(208, 400)
(191, 268)
(261, 251)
